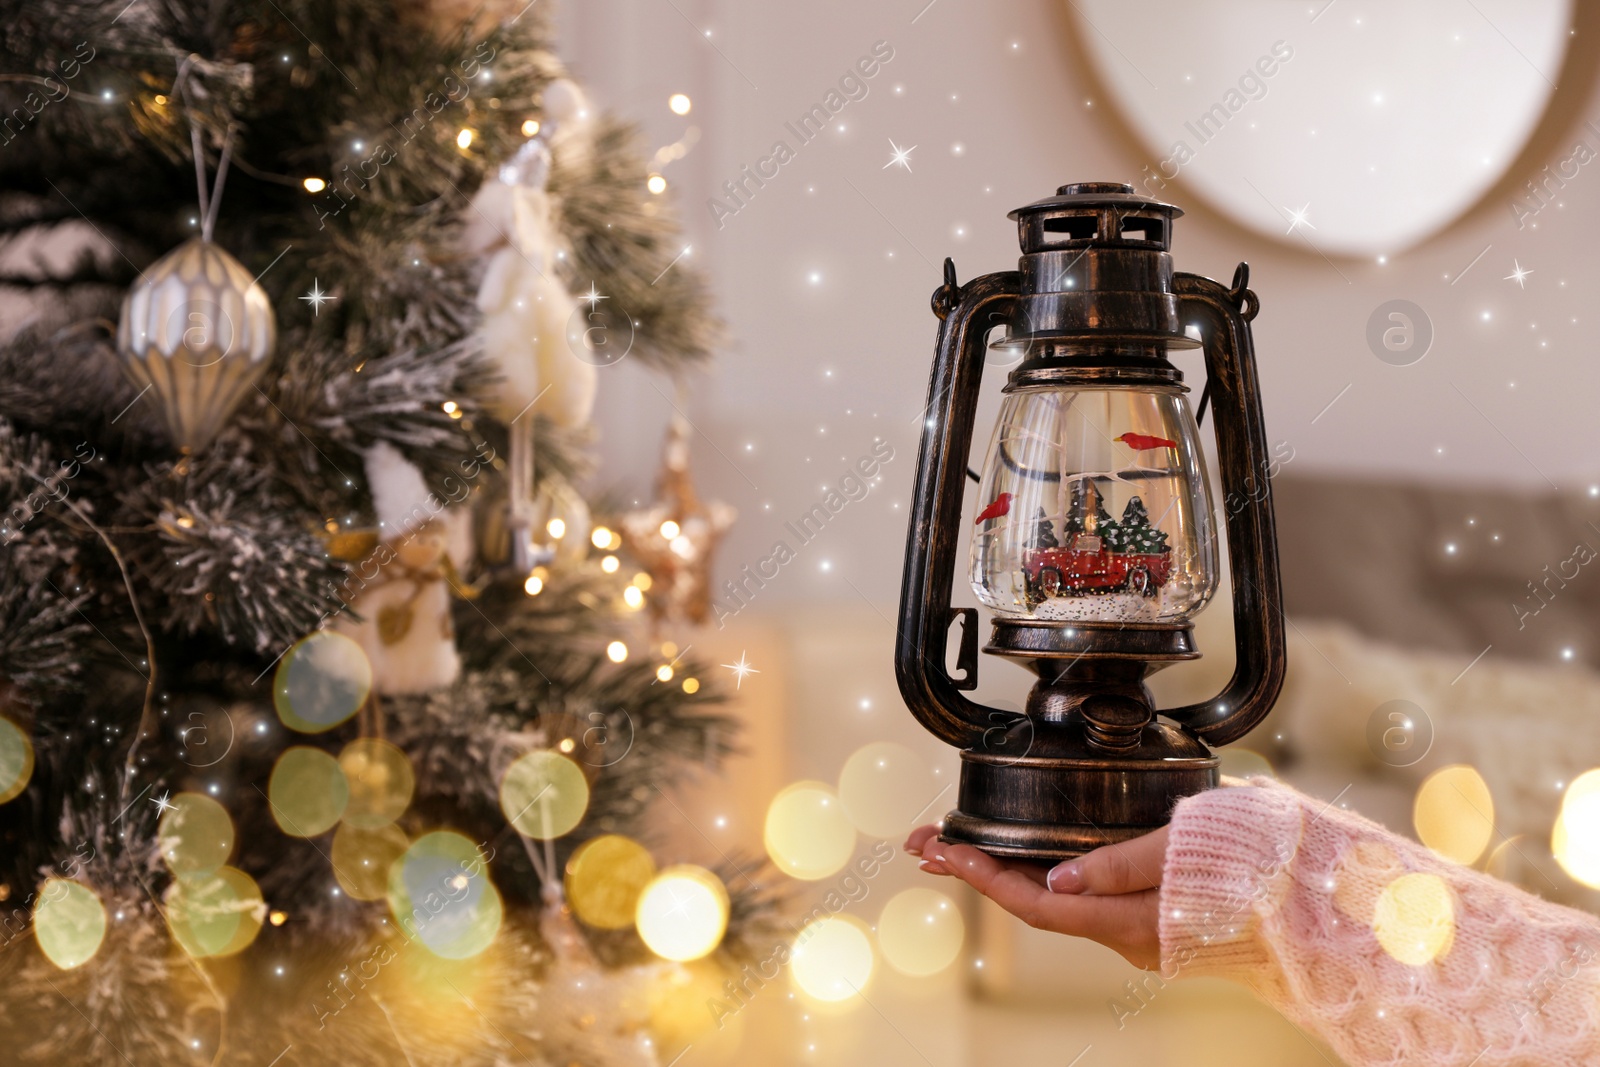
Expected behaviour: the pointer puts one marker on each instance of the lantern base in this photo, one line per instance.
(1042, 790)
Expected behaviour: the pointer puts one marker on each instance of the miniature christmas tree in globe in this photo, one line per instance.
(1136, 535)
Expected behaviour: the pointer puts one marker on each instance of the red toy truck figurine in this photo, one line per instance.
(1101, 555)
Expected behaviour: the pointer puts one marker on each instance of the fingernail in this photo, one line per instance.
(908, 848)
(1065, 878)
(933, 867)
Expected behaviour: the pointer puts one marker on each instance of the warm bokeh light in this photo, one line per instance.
(464, 138)
(600, 537)
(1415, 918)
(195, 834)
(664, 673)
(605, 877)
(616, 652)
(670, 529)
(530, 127)
(69, 922)
(643, 581)
(1238, 762)
(320, 682)
(807, 833)
(832, 958)
(657, 185)
(681, 997)
(633, 597)
(314, 185)
(691, 685)
(610, 564)
(556, 528)
(1575, 837)
(217, 914)
(16, 760)
(440, 895)
(381, 782)
(544, 794)
(307, 791)
(683, 913)
(362, 858)
(534, 585)
(680, 103)
(920, 931)
(887, 788)
(1454, 813)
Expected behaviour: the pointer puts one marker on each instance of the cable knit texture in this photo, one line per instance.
(1389, 953)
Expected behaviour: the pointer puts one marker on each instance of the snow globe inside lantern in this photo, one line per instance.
(1093, 530)
(1097, 508)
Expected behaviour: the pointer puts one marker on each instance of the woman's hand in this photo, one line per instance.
(1110, 895)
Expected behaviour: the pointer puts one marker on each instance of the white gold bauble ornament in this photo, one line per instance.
(197, 331)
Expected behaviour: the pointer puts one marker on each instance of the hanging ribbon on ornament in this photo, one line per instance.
(197, 330)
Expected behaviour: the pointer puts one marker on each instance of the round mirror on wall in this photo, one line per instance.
(1363, 129)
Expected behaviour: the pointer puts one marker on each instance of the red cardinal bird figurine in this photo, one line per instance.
(1143, 441)
(1001, 505)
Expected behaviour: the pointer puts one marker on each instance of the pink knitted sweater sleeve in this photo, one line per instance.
(1387, 952)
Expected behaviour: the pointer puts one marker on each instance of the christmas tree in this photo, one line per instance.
(1044, 533)
(1135, 535)
(1086, 511)
(323, 733)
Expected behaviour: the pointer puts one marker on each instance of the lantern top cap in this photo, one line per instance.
(1097, 195)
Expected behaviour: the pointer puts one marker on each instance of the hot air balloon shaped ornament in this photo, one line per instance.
(1094, 541)
(197, 330)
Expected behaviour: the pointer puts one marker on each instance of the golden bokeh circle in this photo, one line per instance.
(886, 788)
(307, 791)
(441, 896)
(16, 760)
(69, 922)
(1575, 839)
(216, 914)
(605, 877)
(362, 858)
(920, 931)
(1415, 918)
(544, 794)
(1238, 762)
(381, 782)
(808, 834)
(690, 1008)
(1454, 813)
(320, 682)
(195, 834)
(832, 958)
(683, 913)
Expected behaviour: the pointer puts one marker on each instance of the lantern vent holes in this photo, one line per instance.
(1075, 227)
(1153, 231)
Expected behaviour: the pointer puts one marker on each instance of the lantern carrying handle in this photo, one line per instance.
(1223, 316)
(966, 313)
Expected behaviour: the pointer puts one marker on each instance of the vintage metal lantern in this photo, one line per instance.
(1094, 541)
